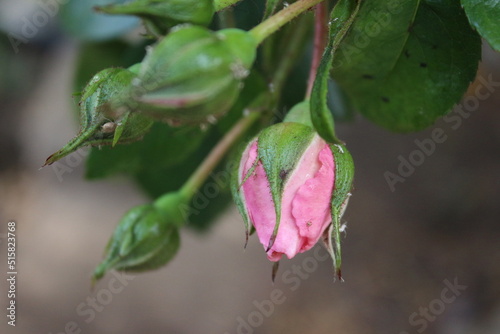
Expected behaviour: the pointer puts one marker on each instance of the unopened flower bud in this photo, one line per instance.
(192, 75)
(100, 122)
(160, 15)
(291, 186)
(146, 238)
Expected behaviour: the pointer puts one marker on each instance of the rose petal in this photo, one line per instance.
(305, 203)
(260, 205)
(312, 202)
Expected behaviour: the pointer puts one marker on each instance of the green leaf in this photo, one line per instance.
(339, 103)
(161, 15)
(484, 16)
(79, 19)
(341, 19)
(406, 63)
(163, 147)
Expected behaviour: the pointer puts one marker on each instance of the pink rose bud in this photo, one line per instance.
(291, 187)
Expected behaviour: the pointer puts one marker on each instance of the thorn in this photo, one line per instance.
(275, 270)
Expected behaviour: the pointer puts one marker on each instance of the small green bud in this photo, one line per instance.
(100, 122)
(146, 238)
(192, 75)
(161, 15)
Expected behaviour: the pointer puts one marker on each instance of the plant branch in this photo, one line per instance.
(212, 160)
(272, 24)
(320, 41)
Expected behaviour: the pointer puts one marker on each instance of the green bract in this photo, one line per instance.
(146, 238)
(192, 75)
(100, 122)
(344, 176)
(161, 15)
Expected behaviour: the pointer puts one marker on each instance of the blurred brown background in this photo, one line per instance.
(423, 258)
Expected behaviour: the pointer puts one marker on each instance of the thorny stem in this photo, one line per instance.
(320, 41)
(272, 24)
(212, 160)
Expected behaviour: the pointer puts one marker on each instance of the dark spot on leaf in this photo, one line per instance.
(385, 99)
(367, 76)
(423, 64)
(283, 174)
(434, 46)
(407, 54)
(410, 27)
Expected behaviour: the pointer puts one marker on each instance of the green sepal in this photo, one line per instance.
(280, 148)
(344, 175)
(119, 129)
(236, 184)
(161, 15)
(192, 75)
(146, 238)
(341, 19)
(100, 122)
